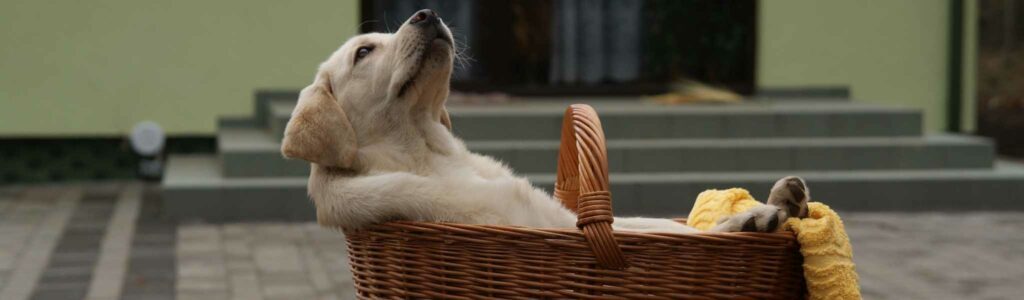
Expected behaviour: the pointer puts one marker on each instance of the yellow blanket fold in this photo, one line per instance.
(828, 256)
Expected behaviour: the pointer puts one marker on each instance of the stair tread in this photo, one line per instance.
(203, 170)
(524, 120)
(1003, 170)
(253, 139)
(931, 139)
(193, 188)
(281, 108)
(242, 139)
(254, 152)
(614, 107)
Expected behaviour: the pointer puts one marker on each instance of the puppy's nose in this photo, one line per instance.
(424, 17)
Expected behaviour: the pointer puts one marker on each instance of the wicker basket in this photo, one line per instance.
(417, 260)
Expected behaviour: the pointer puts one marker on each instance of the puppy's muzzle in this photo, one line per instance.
(430, 22)
(424, 17)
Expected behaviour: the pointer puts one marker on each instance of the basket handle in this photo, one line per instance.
(582, 182)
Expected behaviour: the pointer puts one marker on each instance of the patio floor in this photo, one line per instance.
(107, 241)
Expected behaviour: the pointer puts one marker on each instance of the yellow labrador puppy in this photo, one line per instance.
(374, 126)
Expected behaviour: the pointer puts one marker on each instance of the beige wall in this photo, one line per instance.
(97, 67)
(892, 52)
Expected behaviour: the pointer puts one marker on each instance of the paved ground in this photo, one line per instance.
(108, 241)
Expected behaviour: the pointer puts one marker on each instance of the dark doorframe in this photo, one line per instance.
(954, 84)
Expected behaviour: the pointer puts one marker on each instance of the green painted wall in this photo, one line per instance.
(98, 67)
(892, 52)
(970, 68)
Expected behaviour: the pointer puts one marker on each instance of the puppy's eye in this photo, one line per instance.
(363, 52)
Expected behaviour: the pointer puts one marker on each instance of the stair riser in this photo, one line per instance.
(232, 204)
(241, 164)
(261, 164)
(689, 125)
(276, 126)
(655, 199)
(261, 112)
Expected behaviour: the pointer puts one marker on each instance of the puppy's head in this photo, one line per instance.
(371, 84)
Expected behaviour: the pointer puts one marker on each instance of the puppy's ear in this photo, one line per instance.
(446, 119)
(319, 131)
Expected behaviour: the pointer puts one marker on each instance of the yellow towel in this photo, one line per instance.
(828, 257)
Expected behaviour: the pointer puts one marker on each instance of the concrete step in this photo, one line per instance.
(263, 100)
(252, 152)
(541, 120)
(279, 114)
(193, 188)
(762, 154)
(248, 152)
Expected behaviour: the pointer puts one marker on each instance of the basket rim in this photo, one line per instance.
(626, 236)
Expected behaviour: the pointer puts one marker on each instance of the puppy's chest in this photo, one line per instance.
(442, 165)
(416, 162)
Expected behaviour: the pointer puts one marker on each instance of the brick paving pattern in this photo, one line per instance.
(152, 267)
(69, 272)
(898, 255)
(31, 225)
(938, 255)
(261, 261)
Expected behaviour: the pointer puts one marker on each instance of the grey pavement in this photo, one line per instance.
(109, 241)
(261, 261)
(938, 255)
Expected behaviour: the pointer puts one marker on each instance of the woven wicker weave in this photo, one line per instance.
(417, 260)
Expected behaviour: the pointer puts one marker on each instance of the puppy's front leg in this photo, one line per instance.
(788, 198)
(651, 225)
(790, 194)
(362, 200)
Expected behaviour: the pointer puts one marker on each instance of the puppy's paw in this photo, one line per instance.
(790, 194)
(763, 218)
